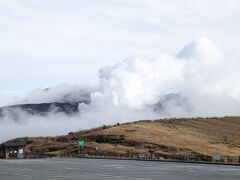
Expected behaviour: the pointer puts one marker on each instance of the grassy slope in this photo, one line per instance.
(199, 135)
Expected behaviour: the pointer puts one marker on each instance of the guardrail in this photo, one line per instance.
(142, 156)
(172, 157)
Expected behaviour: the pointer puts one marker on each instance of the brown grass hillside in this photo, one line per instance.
(173, 136)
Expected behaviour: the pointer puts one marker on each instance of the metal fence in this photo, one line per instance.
(169, 157)
(140, 156)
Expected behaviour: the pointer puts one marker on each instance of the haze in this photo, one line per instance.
(137, 59)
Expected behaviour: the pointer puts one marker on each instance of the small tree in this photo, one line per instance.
(151, 153)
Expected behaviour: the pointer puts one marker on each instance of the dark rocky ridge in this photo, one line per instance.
(53, 100)
(44, 108)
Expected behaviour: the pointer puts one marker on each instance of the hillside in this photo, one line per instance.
(201, 136)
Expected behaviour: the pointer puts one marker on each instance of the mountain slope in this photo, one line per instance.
(201, 136)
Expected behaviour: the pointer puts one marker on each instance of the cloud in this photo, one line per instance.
(44, 44)
(200, 80)
(61, 45)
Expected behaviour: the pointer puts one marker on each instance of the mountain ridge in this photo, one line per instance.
(197, 136)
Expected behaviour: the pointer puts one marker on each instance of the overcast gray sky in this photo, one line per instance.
(50, 42)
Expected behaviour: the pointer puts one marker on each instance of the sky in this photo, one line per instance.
(47, 43)
(135, 59)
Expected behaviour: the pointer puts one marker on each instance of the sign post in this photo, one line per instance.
(81, 144)
(97, 148)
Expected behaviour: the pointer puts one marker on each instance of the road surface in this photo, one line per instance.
(113, 169)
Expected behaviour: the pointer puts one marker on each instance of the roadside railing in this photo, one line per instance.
(143, 156)
(169, 157)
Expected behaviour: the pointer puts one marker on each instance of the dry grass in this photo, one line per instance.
(199, 135)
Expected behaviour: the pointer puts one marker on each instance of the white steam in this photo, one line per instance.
(203, 80)
(199, 81)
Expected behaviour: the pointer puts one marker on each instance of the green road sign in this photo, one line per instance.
(81, 143)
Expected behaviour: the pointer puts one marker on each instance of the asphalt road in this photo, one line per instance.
(112, 169)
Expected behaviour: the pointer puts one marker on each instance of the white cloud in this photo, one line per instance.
(44, 44)
(47, 43)
(198, 81)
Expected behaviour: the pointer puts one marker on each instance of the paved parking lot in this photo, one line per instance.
(112, 169)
